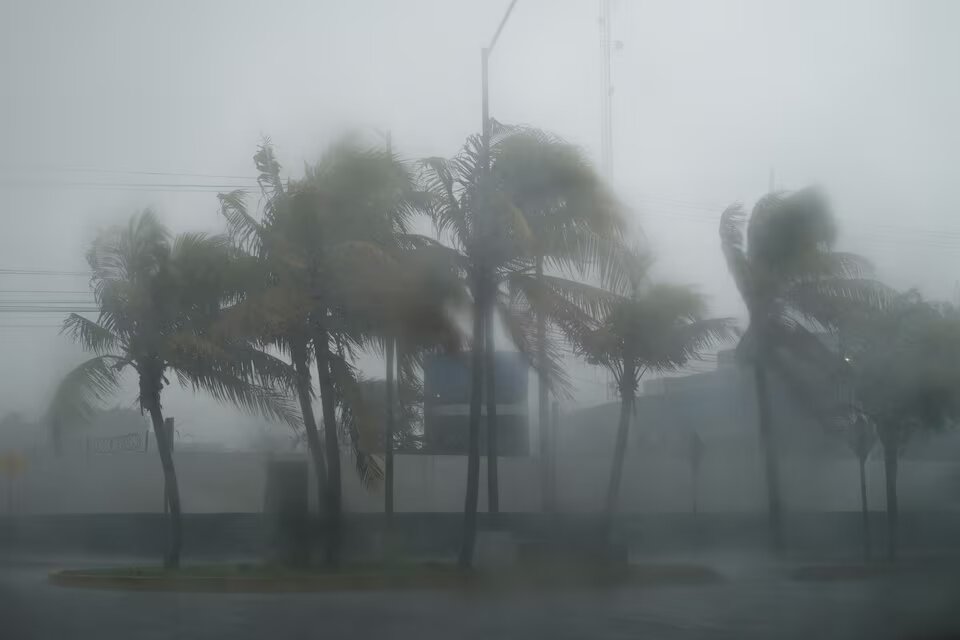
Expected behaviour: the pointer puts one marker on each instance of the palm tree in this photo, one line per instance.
(905, 372)
(861, 436)
(642, 328)
(481, 214)
(328, 240)
(574, 222)
(792, 284)
(160, 300)
(278, 304)
(412, 311)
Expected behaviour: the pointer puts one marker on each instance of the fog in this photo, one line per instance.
(709, 100)
(746, 342)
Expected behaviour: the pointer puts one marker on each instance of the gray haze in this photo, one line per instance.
(860, 97)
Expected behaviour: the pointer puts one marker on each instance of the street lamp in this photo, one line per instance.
(486, 231)
(485, 82)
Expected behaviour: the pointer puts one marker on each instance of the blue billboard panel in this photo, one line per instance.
(446, 386)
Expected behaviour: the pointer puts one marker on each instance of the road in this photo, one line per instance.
(748, 605)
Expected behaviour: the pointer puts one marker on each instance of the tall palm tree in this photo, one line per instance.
(905, 370)
(160, 302)
(861, 436)
(480, 214)
(412, 311)
(574, 222)
(328, 239)
(792, 283)
(640, 328)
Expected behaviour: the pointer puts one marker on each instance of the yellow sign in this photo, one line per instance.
(12, 464)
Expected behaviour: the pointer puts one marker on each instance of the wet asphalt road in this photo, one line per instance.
(751, 603)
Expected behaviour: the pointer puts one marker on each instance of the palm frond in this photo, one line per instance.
(734, 250)
(826, 301)
(90, 335)
(561, 298)
(243, 229)
(85, 388)
(445, 207)
(695, 339)
(521, 328)
(357, 421)
(132, 252)
(231, 389)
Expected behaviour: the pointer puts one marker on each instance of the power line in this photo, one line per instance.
(125, 186)
(77, 292)
(41, 309)
(41, 272)
(179, 174)
(30, 326)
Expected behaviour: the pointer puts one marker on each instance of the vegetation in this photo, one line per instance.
(792, 283)
(330, 266)
(642, 327)
(160, 302)
(540, 203)
(340, 273)
(905, 365)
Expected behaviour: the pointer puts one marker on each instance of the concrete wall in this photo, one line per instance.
(234, 483)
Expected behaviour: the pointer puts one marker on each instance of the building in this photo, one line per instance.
(446, 405)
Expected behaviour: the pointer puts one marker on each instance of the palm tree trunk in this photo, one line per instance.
(543, 406)
(620, 448)
(298, 351)
(490, 370)
(770, 456)
(388, 437)
(864, 510)
(473, 451)
(321, 345)
(150, 399)
(890, 463)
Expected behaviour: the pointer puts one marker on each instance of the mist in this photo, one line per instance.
(838, 118)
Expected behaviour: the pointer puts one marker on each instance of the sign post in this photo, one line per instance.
(11, 465)
(169, 430)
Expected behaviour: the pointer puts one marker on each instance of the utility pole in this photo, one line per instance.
(606, 93)
(483, 348)
(493, 491)
(169, 428)
(606, 116)
(391, 395)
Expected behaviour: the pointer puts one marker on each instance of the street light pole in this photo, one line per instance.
(489, 347)
(485, 83)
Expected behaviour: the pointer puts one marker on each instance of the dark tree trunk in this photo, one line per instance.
(543, 407)
(771, 458)
(890, 463)
(328, 405)
(56, 435)
(473, 452)
(620, 448)
(694, 486)
(388, 437)
(150, 400)
(298, 350)
(552, 456)
(490, 371)
(864, 508)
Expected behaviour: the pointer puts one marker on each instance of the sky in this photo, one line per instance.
(713, 101)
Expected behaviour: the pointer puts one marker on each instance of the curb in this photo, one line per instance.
(650, 576)
(241, 584)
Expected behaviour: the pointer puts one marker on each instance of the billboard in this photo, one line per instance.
(446, 406)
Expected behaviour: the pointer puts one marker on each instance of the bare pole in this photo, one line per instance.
(482, 330)
(493, 498)
(606, 95)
